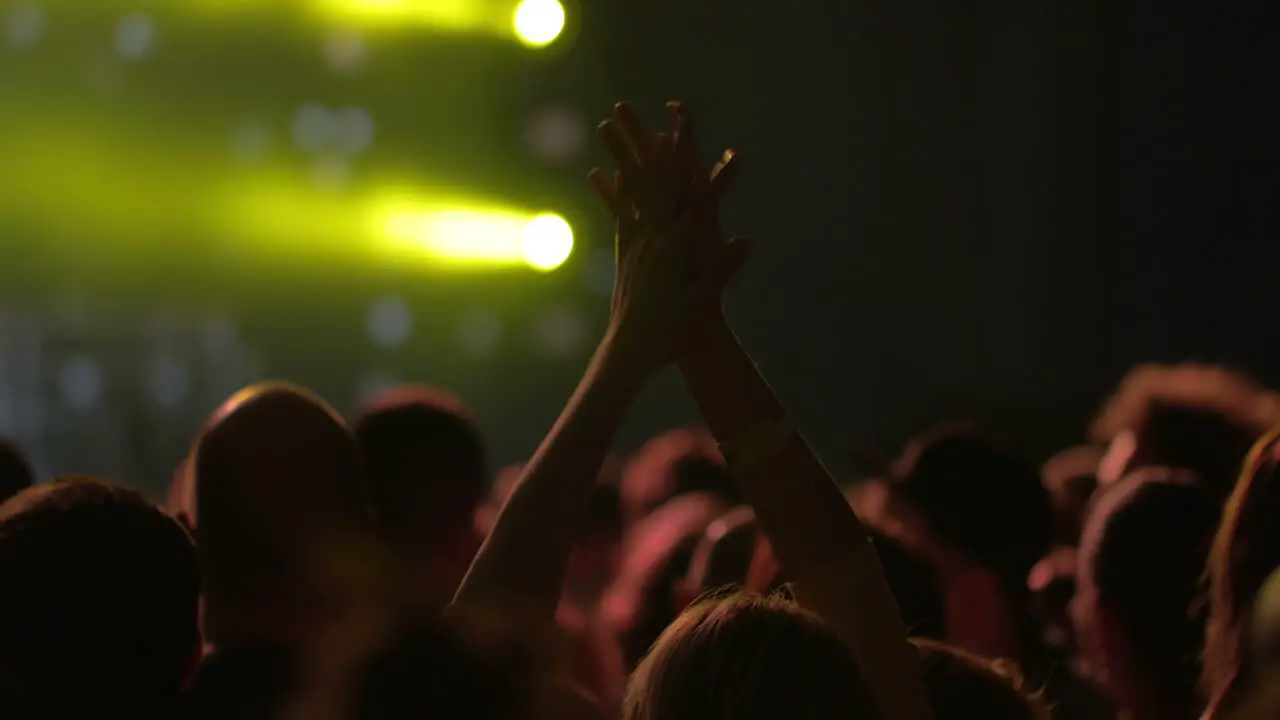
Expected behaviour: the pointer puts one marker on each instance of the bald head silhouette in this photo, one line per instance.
(280, 499)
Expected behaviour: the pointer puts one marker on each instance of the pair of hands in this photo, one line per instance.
(672, 265)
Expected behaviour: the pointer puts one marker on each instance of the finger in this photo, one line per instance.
(625, 212)
(685, 146)
(641, 141)
(605, 189)
(673, 112)
(617, 146)
(666, 144)
(724, 174)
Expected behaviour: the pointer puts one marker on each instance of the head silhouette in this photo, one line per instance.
(1190, 417)
(744, 657)
(427, 477)
(280, 514)
(1141, 557)
(98, 616)
(961, 686)
(678, 462)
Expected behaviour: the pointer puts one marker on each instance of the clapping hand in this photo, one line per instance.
(672, 266)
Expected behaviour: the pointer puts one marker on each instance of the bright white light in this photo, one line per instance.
(539, 22)
(26, 26)
(547, 243)
(390, 322)
(135, 35)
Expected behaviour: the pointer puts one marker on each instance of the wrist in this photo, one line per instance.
(709, 335)
(624, 359)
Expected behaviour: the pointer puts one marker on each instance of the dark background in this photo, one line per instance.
(978, 209)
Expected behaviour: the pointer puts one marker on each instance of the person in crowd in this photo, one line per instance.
(912, 580)
(1070, 478)
(1198, 418)
(181, 495)
(962, 685)
(672, 267)
(722, 556)
(1141, 556)
(99, 609)
(15, 472)
(282, 526)
(646, 594)
(748, 656)
(1244, 554)
(675, 463)
(432, 667)
(980, 516)
(597, 662)
(427, 479)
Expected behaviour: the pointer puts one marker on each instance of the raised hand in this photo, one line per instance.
(665, 208)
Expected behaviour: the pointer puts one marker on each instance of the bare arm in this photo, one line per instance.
(816, 536)
(524, 560)
(522, 565)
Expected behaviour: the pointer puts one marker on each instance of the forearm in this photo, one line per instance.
(523, 562)
(796, 502)
(816, 537)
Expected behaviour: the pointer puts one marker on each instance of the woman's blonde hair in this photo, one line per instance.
(746, 656)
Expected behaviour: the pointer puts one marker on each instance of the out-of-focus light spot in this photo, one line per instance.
(560, 333)
(314, 128)
(373, 383)
(26, 26)
(250, 140)
(354, 130)
(135, 35)
(556, 135)
(539, 22)
(219, 334)
(168, 382)
(390, 322)
(80, 381)
(344, 50)
(479, 333)
(331, 172)
(547, 243)
(476, 236)
(598, 272)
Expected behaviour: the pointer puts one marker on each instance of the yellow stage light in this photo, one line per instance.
(482, 236)
(539, 22)
(547, 243)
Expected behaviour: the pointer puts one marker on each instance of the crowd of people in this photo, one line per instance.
(307, 565)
